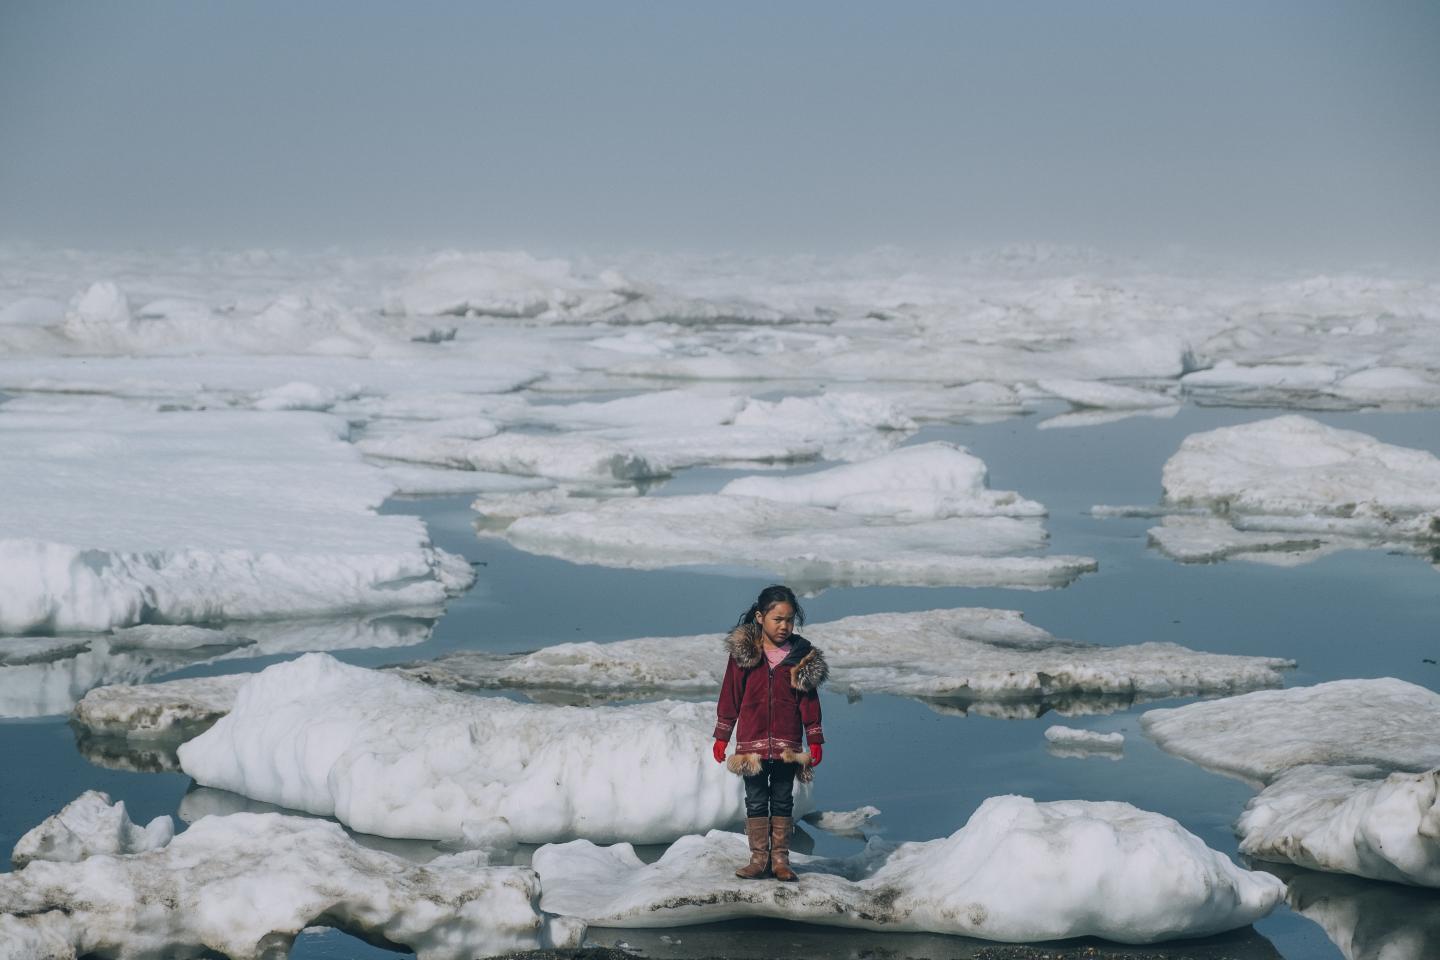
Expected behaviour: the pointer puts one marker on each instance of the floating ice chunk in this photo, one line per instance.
(1084, 739)
(246, 885)
(1395, 386)
(1353, 820)
(807, 545)
(1293, 465)
(1227, 375)
(392, 757)
(930, 481)
(1099, 418)
(1108, 396)
(1017, 871)
(89, 825)
(968, 653)
(1207, 539)
(208, 516)
(1386, 723)
(569, 457)
(172, 710)
(846, 823)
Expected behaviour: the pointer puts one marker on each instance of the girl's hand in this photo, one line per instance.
(816, 752)
(719, 751)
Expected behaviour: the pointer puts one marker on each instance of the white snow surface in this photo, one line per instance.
(389, 756)
(930, 481)
(1293, 465)
(1084, 739)
(1354, 820)
(118, 519)
(246, 885)
(1386, 723)
(963, 653)
(810, 546)
(1017, 871)
(89, 825)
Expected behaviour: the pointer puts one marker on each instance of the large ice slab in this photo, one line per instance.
(246, 885)
(964, 654)
(118, 519)
(389, 756)
(1386, 723)
(89, 825)
(1017, 871)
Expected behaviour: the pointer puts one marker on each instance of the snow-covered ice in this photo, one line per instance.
(389, 756)
(965, 653)
(175, 709)
(1084, 740)
(1017, 871)
(246, 886)
(205, 517)
(89, 825)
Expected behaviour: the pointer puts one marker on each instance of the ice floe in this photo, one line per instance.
(1070, 742)
(89, 825)
(246, 886)
(175, 709)
(389, 756)
(963, 654)
(1348, 771)
(206, 516)
(1017, 871)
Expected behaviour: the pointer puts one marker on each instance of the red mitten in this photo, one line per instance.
(719, 751)
(816, 752)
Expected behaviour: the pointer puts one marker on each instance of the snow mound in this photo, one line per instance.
(1017, 871)
(246, 885)
(967, 653)
(1295, 466)
(208, 516)
(1353, 820)
(89, 825)
(810, 546)
(1386, 723)
(930, 481)
(392, 757)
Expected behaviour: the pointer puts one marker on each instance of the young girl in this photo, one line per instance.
(769, 691)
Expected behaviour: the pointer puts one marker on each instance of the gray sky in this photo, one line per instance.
(1279, 127)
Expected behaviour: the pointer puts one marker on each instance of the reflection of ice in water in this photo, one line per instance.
(1366, 919)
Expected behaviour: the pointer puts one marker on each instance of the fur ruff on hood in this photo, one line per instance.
(808, 668)
(748, 764)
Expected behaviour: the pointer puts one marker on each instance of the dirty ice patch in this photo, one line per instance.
(174, 709)
(116, 520)
(232, 884)
(1355, 820)
(1386, 723)
(964, 654)
(930, 481)
(814, 547)
(1017, 871)
(389, 756)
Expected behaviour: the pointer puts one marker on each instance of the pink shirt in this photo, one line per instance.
(773, 657)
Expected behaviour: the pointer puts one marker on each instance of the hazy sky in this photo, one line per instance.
(793, 127)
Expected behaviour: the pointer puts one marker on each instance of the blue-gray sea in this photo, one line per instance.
(1352, 614)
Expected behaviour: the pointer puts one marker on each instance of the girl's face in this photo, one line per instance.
(776, 623)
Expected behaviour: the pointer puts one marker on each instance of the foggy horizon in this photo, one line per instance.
(1292, 130)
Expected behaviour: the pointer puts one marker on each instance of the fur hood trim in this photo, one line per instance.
(808, 668)
(748, 764)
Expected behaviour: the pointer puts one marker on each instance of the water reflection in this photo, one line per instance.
(1366, 919)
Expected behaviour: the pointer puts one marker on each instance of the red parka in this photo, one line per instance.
(768, 709)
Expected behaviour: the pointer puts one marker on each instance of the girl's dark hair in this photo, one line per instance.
(771, 595)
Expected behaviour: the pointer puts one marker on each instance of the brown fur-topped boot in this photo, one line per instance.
(780, 830)
(757, 831)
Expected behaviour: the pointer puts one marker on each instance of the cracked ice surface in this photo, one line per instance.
(1017, 871)
(968, 653)
(246, 885)
(389, 756)
(207, 516)
(1348, 770)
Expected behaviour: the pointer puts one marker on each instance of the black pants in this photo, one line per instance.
(771, 792)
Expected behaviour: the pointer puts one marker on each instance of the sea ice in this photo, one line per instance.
(845, 823)
(246, 885)
(1104, 396)
(1084, 739)
(1017, 871)
(207, 516)
(389, 756)
(968, 653)
(175, 709)
(89, 825)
